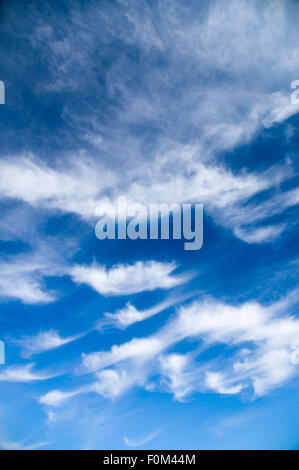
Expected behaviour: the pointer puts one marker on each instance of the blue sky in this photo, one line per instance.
(121, 344)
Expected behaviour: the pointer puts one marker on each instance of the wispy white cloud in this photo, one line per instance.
(130, 315)
(22, 275)
(199, 117)
(260, 235)
(220, 384)
(43, 341)
(12, 445)
(175, 372)
(72, 189)
(22, 373)
(112, 383)
(141, 440)
(264, 364)
(128, 279)
(271, 332)
(22, 279)
(239, 44)
(57, 397)
(138, 349)
(236, 420)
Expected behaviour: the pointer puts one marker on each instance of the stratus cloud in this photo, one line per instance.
(43, 341)
(22, 374)
(128, 279)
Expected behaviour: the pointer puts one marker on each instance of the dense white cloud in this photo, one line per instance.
(128, 279)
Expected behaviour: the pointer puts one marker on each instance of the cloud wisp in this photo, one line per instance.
(129, 315)
(260, 339)
(128, 279)
(23, 373)
(43, 341)
(142, 440)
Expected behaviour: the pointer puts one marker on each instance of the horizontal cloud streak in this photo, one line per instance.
(128, 279)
